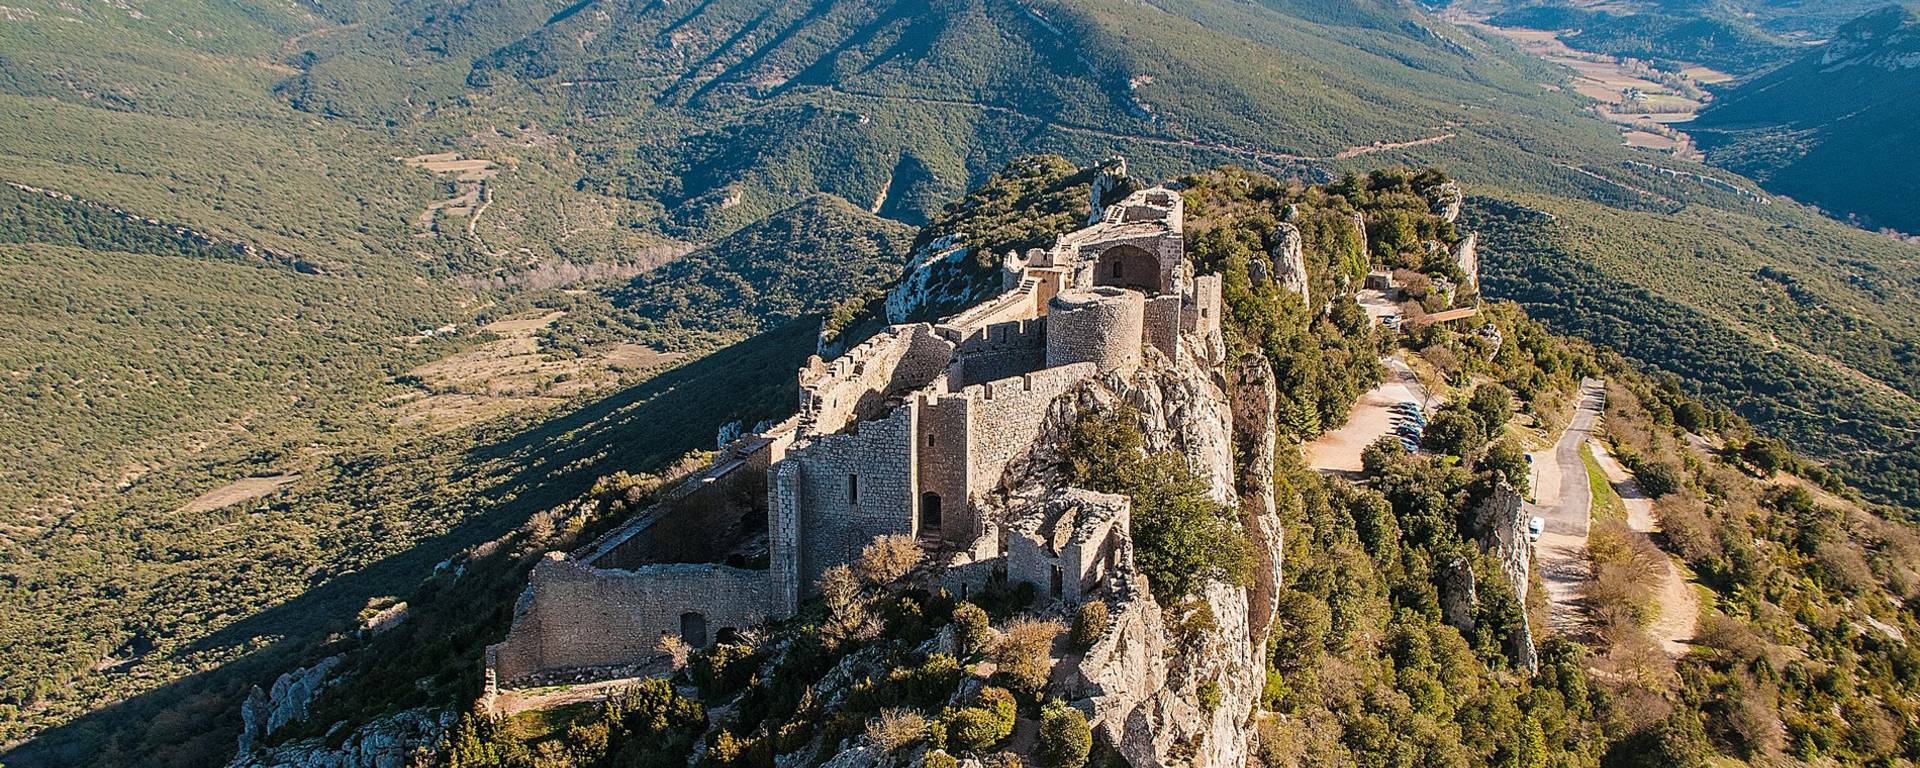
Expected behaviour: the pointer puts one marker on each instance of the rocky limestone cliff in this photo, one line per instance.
(1289, 260)
(1887, 39)
(1143, 682)
(389, 742)
(1445, 199)
(1500, 526)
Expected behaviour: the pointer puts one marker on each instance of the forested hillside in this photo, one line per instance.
(293, 291)
(1833, 128)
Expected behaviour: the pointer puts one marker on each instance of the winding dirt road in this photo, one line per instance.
(1679, 603)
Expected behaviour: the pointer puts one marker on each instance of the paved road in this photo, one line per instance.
(1565, 501)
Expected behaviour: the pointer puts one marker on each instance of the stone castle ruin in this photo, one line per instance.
(917, 431)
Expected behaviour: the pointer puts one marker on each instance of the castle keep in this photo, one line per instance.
(909, 433)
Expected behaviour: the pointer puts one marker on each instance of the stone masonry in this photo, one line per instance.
(910, 432)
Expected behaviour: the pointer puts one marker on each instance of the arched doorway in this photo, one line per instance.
(693, 629)
(1128, 266)
(930, 515)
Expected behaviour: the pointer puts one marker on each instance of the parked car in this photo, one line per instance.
(1535, 527)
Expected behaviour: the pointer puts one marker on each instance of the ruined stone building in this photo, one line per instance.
(910, 432)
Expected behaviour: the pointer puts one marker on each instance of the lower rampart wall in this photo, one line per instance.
(577, 617)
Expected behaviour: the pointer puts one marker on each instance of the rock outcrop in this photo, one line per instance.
(1108, 179)
(1500, 527)
(388, 742)
(1143, 682)
(1289, 260)
(267, 711)
(1446, 199)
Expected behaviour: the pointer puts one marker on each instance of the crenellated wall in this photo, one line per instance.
(997, 351)
(859, 384)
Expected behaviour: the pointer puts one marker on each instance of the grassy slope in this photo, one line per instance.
(174, 116)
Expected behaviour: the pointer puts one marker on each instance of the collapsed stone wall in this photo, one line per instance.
(859, 384)
(843, 490)
(575, 616)
(1068, 546)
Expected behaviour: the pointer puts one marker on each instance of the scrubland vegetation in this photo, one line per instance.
(267, 318)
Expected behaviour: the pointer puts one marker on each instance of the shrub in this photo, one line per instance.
(1024, 653)
(896, 729)
(849, 618)
(1656, 478)
(724, 668)
(1766, 455)
(1493, 404)
(479, 741)
(726, 750)
(1455, 432)
(925, 685)
(971, 632)
(1208, 695)
(887, 558)
(940, 759)
(1089, 624)
(1508, 457)
(675, 649)
(1182, 538)
(1065, 738)
(981, 726)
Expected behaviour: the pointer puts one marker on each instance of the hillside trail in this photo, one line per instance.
(1263, 155)
(1679, 603)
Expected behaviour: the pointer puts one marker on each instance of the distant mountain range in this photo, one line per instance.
(1836, 128)
(602, 133)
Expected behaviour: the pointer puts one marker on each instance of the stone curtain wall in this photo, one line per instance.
(1007, 416)
(690, 528)
(1001, 350)
(583, 617)
(1163, 325)
(832, 526)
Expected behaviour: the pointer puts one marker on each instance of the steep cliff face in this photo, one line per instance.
(1178, 684)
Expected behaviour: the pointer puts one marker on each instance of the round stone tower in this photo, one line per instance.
(1099, 325)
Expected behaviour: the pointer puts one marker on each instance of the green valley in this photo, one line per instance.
(306, 303)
